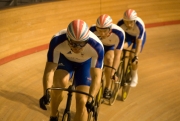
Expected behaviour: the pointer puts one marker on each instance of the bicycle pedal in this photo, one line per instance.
(117, 82)
(102, 101)
(126, 84)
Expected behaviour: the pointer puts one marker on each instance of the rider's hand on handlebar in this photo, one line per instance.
(43, 101)
(89, 106)
(135, 60)
(114, 76)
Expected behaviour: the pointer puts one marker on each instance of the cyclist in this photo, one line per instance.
(79, 51)
(112, 37)
(135, 34)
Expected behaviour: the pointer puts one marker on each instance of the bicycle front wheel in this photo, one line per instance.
(126, 86)
(116, 85)
(125, 91)
(115, 90)
(99, 100)
(90, 116)
(66, 117)
(99, 97)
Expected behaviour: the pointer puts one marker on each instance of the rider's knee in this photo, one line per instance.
(81, 101)
(60, 80)
(109, 61)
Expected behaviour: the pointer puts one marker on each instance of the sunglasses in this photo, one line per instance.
(108, 28)
(76, 44)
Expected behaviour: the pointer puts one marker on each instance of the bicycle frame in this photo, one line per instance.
(125, 67)
(125, 73)
(114, 88)
(98, 100)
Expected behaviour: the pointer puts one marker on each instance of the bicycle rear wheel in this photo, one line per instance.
(114, 95)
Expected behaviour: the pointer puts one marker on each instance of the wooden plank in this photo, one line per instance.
(31, 26)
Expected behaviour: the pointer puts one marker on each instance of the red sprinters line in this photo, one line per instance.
(23, 53)
(44, 47)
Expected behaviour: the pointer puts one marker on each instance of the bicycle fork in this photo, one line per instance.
(68, 105)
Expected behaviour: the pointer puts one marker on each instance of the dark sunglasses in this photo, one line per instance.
(103, 28)
(76, 44)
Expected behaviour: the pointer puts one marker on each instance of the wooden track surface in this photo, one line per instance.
(28, 29)
(25, 30)
(156, 98)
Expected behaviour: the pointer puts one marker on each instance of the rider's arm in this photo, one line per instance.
(48, 75)
(117, 52)
(96, 66)
(138, 46)
(95, 81)
(51, 64)
(139, 38)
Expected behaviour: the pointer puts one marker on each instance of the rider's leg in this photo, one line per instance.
(61, 78)
(131, 44)
(134, 72)
(81, 111)
(82, 80)
(127, 46)
(108, 60)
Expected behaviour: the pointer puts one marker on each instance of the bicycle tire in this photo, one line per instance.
(114, 93)
(90, 116)
(116, 85)
(126, 79)
(126, 85)
(66, 117)
(98, 102)
(125, 91)
(93, 115)
(99, 97)
(120, 72)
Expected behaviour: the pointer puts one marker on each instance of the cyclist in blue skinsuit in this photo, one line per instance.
(135, 33)
(74, 50)
(112, 37)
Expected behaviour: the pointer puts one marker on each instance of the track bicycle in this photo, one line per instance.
(124, 73)
(124, 78)
(115, 85)
(71, 89)
(93, 115)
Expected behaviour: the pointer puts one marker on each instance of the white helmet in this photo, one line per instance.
(130, 15)
(104, 21)
(78, 30)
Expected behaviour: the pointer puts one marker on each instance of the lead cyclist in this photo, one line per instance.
(73, 50)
